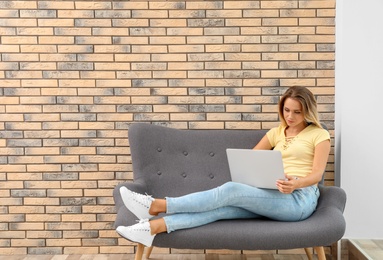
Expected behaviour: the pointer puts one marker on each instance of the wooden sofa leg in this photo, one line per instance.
(148, 252)
(308, 253)
(320, 252)
(140, 252)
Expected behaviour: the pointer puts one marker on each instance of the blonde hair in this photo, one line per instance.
(308, 102)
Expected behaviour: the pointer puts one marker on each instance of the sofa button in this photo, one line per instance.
(183, 175)
(211, 176)
(159, 173)
(159, 149)
(185, 153)
(211, 154)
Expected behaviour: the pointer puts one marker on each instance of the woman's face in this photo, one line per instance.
(292, 113)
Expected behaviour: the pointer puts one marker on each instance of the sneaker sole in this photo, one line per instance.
(136, 239)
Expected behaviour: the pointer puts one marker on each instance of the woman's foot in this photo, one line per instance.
(139, 233)
(137, 203)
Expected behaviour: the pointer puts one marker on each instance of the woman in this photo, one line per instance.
(305, 147)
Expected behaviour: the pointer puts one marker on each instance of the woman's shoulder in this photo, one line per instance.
(318, 132)
(315, 128)
(278, 129)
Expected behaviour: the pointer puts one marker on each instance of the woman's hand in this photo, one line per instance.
(288, 185)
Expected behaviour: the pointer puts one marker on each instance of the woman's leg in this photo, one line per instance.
(265, 202)
(190, 220)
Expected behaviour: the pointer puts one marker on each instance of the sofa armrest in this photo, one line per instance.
(332, 196)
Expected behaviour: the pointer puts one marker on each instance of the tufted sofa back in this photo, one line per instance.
(176, 162)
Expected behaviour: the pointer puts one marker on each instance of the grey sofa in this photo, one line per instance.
(172, 162)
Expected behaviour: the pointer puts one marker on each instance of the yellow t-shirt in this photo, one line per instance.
(298, 151)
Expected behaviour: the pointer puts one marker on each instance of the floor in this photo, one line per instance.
(362, 249)
(157, 257)
(365, 249)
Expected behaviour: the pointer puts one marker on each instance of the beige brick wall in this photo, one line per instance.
(75, 74)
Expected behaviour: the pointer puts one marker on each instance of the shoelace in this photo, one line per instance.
(142, 200)
(142, 221)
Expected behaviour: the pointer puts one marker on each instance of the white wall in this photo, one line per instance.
(359, 114)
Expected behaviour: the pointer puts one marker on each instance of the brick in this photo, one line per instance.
(9, 48)
(317, 4)
(297, 47)
(63, 242)
(297, 30)
(242, 125)
(23, 74)
(317, 56)
(34, 31)
(45, 250)
(56, 39)
(39, 83)
(38, 13)
(10, 83)
(19, 57)
(97, 75)
(325, 30)
(279, 56)
(149, 14)
(297, 65)
(317, 39)
(186, 100)
(55, 5)
(60, 74)
(243, 108)
(26, 210)
(279, 4)
(73, 13)
(55, 22)
(316, 73)
(28, 242)
(13, 251)
(280, 39)
(205, 39)
(93, 39)
(75, 66)
(63, 209)
(81, 250)
(97, 175)
(298, 13)
(93, 5)
(279, 74)
(78, 150)
(63, 226)
(36, 100)
(19, 22)
(19, 40)
(44, 234)
(41, 184)
(26, 226)
(326, 12)
(90, 84)
(294, 82)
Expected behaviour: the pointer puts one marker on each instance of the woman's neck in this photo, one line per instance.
(294, 130)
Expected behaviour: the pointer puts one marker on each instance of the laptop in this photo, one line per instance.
(259, 168)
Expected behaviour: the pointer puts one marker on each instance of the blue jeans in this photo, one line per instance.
(239, 201)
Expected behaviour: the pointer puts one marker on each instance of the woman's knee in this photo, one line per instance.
(231, 187)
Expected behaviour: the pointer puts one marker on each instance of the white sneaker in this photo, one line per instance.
(137, 203)
(139, 233)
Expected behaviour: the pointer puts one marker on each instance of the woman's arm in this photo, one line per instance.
(321, 153)
(264, 144)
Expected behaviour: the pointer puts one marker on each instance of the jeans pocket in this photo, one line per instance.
(309, 197)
